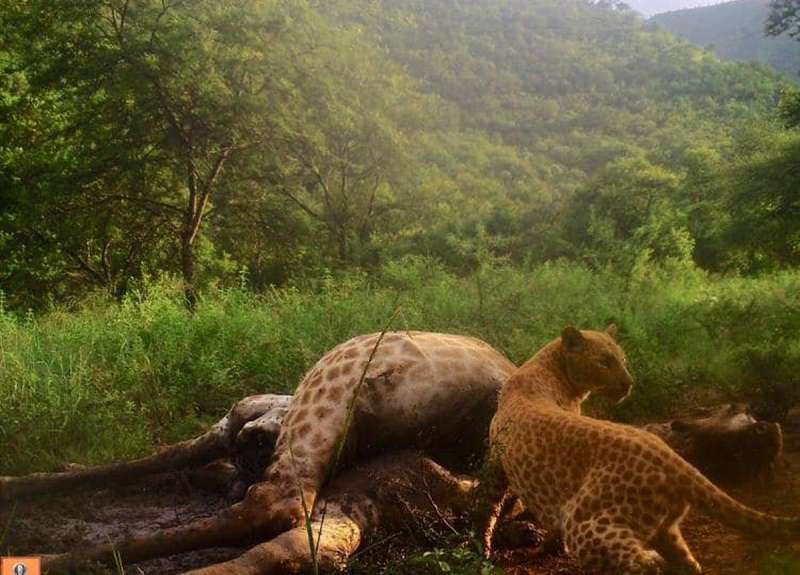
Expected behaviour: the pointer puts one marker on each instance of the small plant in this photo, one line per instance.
(465, 560)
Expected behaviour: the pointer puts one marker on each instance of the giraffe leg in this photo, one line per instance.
(265, 512)
(258, 413)
(491, 496)
(385, 492)
(337, 537)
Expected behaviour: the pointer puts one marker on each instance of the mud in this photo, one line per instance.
(59, 524)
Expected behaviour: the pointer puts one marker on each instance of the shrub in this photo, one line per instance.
(106, 380)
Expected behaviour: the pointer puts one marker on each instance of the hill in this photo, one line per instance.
(527, 129)
(576, 93)
(652, 7)
(735, 31)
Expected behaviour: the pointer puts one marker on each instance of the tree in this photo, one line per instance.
(157, 97)
(632, 208)
(784, 18)
(347, 163)
(763, 201)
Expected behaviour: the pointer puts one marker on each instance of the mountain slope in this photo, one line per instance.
(651, 7)
(572, 81)
(735, 31)
(546, 96)
(538, 129)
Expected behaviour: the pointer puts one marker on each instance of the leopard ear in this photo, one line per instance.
(612, 330)
(572, 338)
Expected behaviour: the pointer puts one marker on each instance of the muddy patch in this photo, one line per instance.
(60, 524)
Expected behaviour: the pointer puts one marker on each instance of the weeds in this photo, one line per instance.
(466, 560)
(104, 381)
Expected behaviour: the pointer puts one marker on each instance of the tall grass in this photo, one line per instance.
(105, 380)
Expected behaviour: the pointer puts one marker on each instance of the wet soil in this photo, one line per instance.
(60, 524)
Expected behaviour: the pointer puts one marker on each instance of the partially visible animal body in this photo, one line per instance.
(437, 392)
(374, 393)
(726, 442)
(390, 492)
(616, 494)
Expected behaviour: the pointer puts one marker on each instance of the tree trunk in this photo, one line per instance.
(187, 270)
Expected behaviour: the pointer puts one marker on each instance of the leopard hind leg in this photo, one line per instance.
(602, 546)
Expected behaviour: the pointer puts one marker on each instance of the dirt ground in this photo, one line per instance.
(60, 524)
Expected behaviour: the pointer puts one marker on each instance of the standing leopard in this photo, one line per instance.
(615, 494)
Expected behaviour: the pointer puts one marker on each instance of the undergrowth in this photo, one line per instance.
(102, 380)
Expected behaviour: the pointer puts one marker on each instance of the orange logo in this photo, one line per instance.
(21, 566)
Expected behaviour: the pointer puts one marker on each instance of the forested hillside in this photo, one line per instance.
(735, 31)
(651, 7)
(278, 140)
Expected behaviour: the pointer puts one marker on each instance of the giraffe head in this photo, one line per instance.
(594, 362)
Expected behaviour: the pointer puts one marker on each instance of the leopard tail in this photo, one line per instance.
(707, 497)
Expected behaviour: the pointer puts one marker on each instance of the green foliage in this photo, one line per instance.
(286, 138)
(452, 561)
(763, 202)
(784, 17)
(104, 380)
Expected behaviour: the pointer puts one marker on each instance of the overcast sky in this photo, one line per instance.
(650, 7)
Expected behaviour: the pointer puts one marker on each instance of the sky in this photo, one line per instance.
(651, 7)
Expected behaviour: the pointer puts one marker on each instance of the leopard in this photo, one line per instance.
(615, 495)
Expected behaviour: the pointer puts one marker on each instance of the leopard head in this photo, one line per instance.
(595, 363)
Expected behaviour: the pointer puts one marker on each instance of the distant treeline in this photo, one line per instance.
(275, 140)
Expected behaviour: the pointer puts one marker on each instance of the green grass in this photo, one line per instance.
(104, 380)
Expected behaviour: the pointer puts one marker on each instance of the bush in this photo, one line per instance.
(452, 561)
(107, 380)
